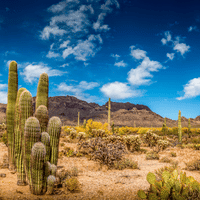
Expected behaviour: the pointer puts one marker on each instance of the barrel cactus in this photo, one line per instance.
(10, 111)
(21, 176)
(54, 130)
(42, 91)
(38, 154)
(32, 134)
(42, 115)
(50, 184)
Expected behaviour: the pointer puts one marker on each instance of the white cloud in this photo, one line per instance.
(10, 52)
(170, 56)
(108, 3)
(3, 94)
(192, 89)
(64, 44)
(45, 34)
(164, 41)
(167, 38)
(84, 49)
(58, 7)
(138, 75)
(87, 85)
(64, 65)
(117, 90)
(120, 64)
(191, 28)
(32, 72)
(97, 25)
(51, 54)
(137, 53)
(115, 56)
(182, 48)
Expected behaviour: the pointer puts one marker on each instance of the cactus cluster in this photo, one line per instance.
(33, 138)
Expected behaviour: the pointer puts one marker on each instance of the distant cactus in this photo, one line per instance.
(42, 115)
(10, 112)
(84, 123)
(32, 134)
(42, 91)
(38, 154)
(51, 180)
(179, 128)
(78, 118)
(21, 176)
(54, 130)
(189, 127)
(109, 110)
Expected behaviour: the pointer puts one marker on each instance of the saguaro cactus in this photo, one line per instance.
(50, 184)
(21, 176)
(47, 166)
(54, 130)
(109, 109)
(189, 127)
(10, 111)
(42, 115)
(32, 134)
(78, 118)
(38, 154)
(42, 91)
(179, 128)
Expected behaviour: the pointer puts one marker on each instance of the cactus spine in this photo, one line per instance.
(109, 109)
(78, 118)
(32, 134)
(42, 91)
(38, 154)
(179, 128)
(42, 115)
(21, 177)
(10, 111)
(54, 130)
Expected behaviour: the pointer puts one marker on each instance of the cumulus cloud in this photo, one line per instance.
(118, 90)
(170, 56)
(191, 89)
(3, 94)
(120, 64)
(182, 48)
(115, 56)
(167, 38)
(137, 53)
(32, 71)
(74, 20)
(51, 54)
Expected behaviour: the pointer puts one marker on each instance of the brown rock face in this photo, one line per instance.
(122, 114)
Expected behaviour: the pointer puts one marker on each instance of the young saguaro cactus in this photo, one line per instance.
(179, 128)
(21, 176)
(32, 134)
(78, 118)
(54, 130)
(189, 127)
(10, 111)
(42, 91)
(42, 115)
(50, 184)
(109, 109)
(38, 154)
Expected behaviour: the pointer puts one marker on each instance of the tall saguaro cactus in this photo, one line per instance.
(42, 91)
(54, 130)
(109, 109)
(179, 128)
(10, 112)
(21, 177)
(189, 127)
(78, 118)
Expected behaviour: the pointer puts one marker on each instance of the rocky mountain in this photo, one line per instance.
(122, 114)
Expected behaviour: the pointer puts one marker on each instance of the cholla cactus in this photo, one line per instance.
(179, 128)
(42, 91)
(51, 180)
(42, 115)
(32, 134)
(54, 130)
(10, 112)
(38, 154)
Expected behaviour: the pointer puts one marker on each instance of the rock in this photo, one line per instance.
(3, 175)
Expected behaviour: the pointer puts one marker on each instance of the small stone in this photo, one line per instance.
(18, 191)
(2, 175)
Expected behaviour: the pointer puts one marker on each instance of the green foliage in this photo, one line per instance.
(72, 184)
(4, 138)
(10, 112)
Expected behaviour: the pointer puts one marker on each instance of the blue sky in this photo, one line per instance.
(142, 52)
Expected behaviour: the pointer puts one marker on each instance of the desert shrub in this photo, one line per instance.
(80, 129)
(4, 138)
(72, 184)
(195, 140)
(125, 163)
(152, 156)
(102, 151)
(165, 159)
(193, 165)
(62, 144)
(175, 131)
(73, 134)
(127, 130)
(173, 154)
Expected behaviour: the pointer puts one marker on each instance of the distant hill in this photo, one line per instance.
(122, 114)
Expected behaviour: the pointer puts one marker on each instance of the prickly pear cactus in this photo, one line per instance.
(54, 130)
(10, 112)
(42, 91)
(50, 184)
(32, 134)
(42, 115)
(38, 154)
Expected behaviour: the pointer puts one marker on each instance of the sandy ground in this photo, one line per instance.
(98, 182)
